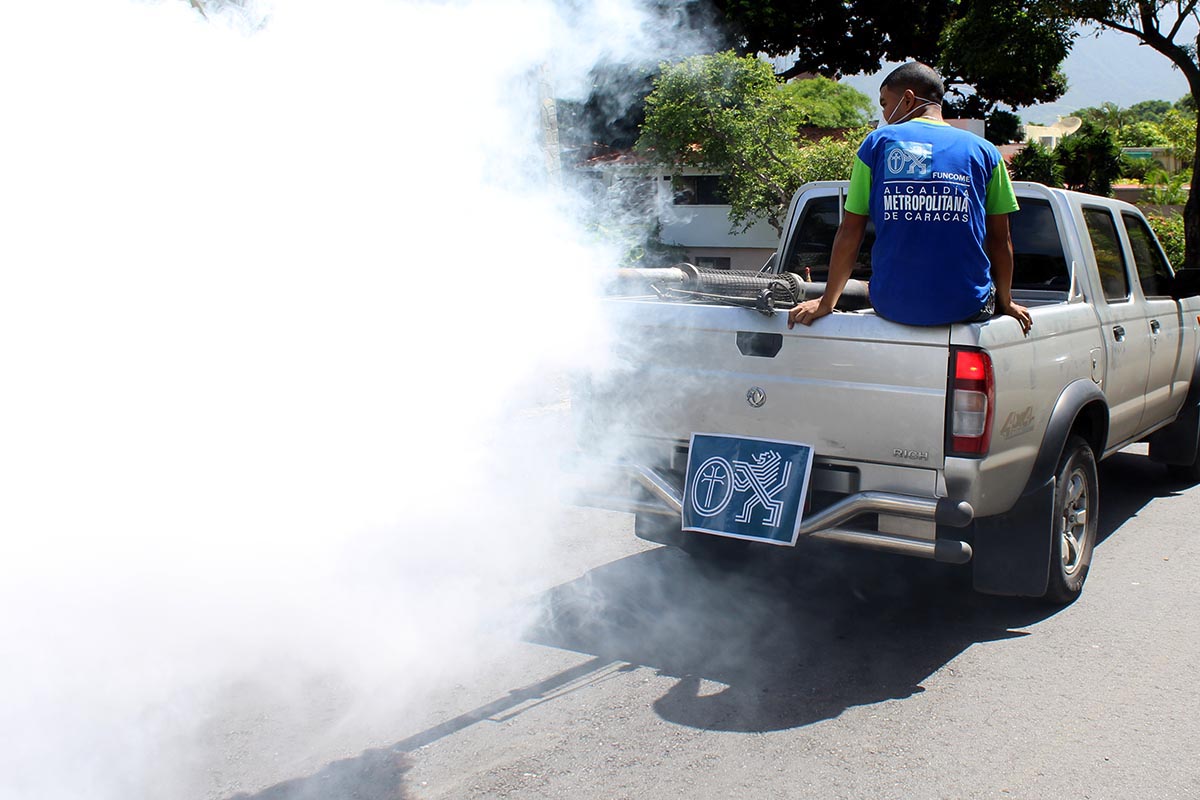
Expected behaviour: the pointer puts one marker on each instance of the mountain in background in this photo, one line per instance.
(1109, 67)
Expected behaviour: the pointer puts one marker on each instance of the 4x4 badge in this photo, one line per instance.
(756, 396)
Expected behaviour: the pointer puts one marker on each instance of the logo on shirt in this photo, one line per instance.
(908, 160)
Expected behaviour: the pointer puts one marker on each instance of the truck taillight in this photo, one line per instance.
(972, 401)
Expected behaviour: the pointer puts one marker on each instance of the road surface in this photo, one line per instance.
(839, 674)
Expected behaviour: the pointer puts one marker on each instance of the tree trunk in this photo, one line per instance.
(1191, 209)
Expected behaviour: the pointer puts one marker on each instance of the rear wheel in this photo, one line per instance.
(1075, 522)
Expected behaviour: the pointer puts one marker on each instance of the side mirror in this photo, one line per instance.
(1186, 283)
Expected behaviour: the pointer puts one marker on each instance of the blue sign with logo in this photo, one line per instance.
(746, 488)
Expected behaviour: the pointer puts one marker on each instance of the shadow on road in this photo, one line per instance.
(799, 637)
(373, 775)
(790, 641)
(777, 643)
(1129, 482)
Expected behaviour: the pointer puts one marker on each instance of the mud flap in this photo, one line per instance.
(1012, 551)
(1177, 444)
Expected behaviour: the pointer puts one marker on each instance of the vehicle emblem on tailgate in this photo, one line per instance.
(756, 396)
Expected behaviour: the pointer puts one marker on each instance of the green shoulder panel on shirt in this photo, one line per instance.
(1000, 196)
(858, 199)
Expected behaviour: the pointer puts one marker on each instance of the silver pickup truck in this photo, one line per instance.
(721, 429)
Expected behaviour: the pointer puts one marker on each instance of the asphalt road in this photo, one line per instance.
(837, 674)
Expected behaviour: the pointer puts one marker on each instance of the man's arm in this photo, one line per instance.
(998, 243)
(846, 244)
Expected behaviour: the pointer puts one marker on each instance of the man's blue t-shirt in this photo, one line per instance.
(928, 187)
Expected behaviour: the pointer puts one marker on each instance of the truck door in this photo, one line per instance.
(1124, 326)
(1164, 394)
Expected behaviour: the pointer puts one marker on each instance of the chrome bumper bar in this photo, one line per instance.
(667, 500)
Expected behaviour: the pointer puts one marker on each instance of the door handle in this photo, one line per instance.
(1154, 326)
(1119, 333)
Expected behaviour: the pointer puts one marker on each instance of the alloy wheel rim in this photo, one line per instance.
(1075, 522)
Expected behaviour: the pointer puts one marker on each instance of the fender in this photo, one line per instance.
(1177, 443)
(1012, 550)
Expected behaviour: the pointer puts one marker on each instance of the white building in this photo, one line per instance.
(686, 212)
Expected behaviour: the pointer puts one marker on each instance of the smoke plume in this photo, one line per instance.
(286, 294)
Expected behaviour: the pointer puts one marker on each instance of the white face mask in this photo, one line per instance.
(911, 111)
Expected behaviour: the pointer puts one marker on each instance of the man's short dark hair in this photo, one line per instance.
(921, 78)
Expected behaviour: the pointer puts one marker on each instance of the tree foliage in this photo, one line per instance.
(1026, 40)
(1107, 117)
(1026, 43)
(832, 37)
(728, 114)
(1011, 47)
(1036, 163)
(1142, 134)
(1164, 189)
(1003, 127)
(825, 103)
(830, 158)
(1179, 130)
(1169, 230)
(1149, 110)
(725, 113)
(1090, 160)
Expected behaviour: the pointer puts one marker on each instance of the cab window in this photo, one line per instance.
(1154, 273)
(1039, 261)
(1110, 259)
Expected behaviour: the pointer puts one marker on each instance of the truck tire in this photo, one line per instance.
(1075, 521)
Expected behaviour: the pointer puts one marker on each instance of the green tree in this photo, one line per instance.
(1109, 117)
(825, 103)
(1164, 189)
(1026, 40)
(1167, 28)
(1179, 129)
(1149, 110)
(1141, 134)
(1138, 168)
(1003, 127)
(833, 37)
(1169, 230)
(1035, 163)
(728, 114)
(831, 159)
(1026, 43)
(1090, 160)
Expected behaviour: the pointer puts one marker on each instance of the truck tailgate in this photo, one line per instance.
(853, 386)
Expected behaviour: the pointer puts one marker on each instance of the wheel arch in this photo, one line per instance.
(1081, 409)
(1012, 550)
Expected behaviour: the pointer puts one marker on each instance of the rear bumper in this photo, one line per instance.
(662, 497)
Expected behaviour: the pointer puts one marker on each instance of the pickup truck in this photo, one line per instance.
(967, 443)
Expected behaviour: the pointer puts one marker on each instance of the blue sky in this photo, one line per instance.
(1111, 66)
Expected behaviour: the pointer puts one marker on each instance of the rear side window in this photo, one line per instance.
(1154, 273)
(1110, 260)
(1038, 258)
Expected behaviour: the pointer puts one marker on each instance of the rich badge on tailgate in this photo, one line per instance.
(746, 488)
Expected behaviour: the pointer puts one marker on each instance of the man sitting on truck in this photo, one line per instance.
(940, 199)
